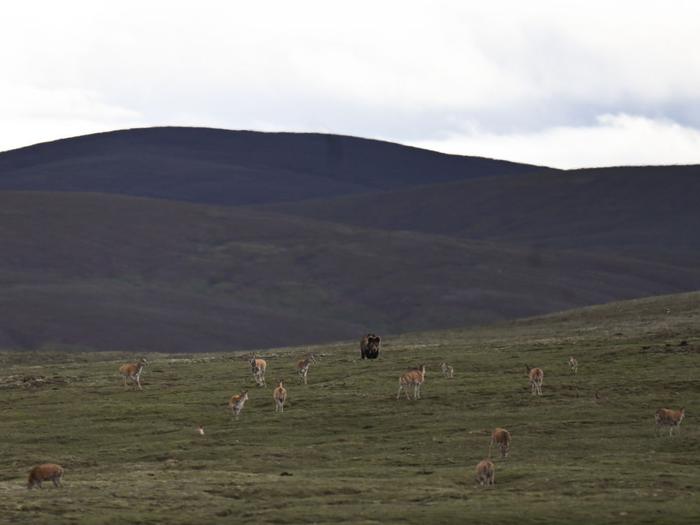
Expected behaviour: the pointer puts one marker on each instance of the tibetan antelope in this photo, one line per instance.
(501, 438)
(280, 397)
(485, 473)
(133, 371)
(258, 367)
(200, 430)
(369, 346)
(237, 402)
(413, 377)
(666, 417)
(303, 367)
(573, 365)
(536, 376)
(47, 471)
(447, 370)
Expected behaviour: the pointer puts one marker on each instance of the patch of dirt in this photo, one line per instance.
(30, 381)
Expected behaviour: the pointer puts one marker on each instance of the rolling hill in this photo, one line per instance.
(646, 212)
(114, 272)
(184, 239)
(224, 167)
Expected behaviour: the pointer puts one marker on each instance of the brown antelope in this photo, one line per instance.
(413, 377)
(447, 370)
(133, 371)
(237, 402)
(200, 430)
(485, 473)
(536, 376)
(666, 417)
(573, 365)
(501, 438)
(303, 367)
(47, 471)
(258, 367)
(280, 397)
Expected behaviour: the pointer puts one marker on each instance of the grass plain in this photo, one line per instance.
(345, 450)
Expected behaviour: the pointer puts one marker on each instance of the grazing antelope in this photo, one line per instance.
(573, 365)
(280, 397)
(237, 402)
(369, 346)
(447, 370)
(485, 473)
(133, 371)
(536, 376)
(200, 430)
(47, 471)
(258, 367)
(666, 417)
(500, 437)
(413, 377)
(303, 367)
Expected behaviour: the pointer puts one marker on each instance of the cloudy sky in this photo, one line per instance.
(561, 83)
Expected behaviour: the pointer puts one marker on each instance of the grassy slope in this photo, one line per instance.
(646, 212)
(355, 454)
(125, 272)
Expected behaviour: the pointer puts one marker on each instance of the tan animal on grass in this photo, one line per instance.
(200, 430)
(666, 417)
(237, 402)
(573, 365)
(133, 371)
(501, 438)
(414, 377)
(447, 370)
(536, 376)
(485, 473)
(47, 471)
(258, 367)
(280, 397)
(303, 367)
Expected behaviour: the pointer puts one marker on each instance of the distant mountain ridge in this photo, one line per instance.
(225, 167)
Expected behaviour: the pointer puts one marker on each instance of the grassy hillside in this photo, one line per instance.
(346, 450)
(647, 212)
(233, 167)
(113, 272)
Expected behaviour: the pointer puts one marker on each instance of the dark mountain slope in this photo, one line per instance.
(233, 167)
(647, 212)
(124, 272)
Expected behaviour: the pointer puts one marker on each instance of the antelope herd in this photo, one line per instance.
(411, 380)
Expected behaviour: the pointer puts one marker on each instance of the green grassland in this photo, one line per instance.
(345, 450)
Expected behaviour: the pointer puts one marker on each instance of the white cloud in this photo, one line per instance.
(614, 140)
(416, 70)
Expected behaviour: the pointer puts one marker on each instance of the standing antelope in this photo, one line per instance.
(536, 376)
(666, 417)
(413, 377)
(500, 437)
(47, 471)
(133, 371)
(237, 402)
(280, 397)
(258, 367)
(447, 370)
(303, 367)
(200, 430)
(485, 473)
(573, 365)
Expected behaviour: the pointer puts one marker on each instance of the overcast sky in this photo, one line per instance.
(561, 83)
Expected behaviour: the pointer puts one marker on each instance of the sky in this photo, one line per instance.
(560, 83)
